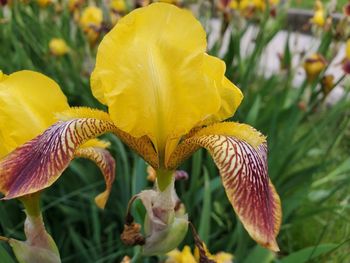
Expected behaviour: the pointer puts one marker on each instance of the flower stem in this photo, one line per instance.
(203, 258)
(131, 235)
(31, 204)
(129, 219)
(164, 178)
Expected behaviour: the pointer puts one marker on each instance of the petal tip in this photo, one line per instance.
(101, 199)
(272, 245)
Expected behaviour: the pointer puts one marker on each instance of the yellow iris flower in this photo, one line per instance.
(28, 103)
(166, 98)
(28, 108)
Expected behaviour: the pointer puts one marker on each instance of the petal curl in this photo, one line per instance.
(38, 163)
(106, 163)
(243, 168)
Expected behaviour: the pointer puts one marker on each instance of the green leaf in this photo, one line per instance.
(254, 111)
(204, 227)
(306, 254)
(259, 254)
(4, 255)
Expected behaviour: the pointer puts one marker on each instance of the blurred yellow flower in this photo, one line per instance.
(249, 7)
(117, 9)
(44, 3)
(221, 257)
(327, 84)
(118, 6)
(318, 19)
(274, 2)
(313, 66)
(319, 16)
(92, 16)
(58, 47)
(346, 60)
(74, 4)
(247, 4)
(186, 256)
(234, 4)
(347, 49)
(91, 21)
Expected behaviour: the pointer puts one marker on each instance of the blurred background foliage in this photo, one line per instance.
(308, 137)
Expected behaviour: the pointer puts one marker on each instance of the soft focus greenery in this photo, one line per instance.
(309, 146)
(310, 4)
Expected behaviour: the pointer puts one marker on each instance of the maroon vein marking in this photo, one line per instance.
(38, 163)
(246, 181)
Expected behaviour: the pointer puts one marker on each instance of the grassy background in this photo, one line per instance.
(310, 4)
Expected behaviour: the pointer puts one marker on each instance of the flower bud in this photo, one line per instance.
(319, 17)
(58, 47)
(91, 22)
(327, 83)
(164, 227)
(39, 246)
(346, 66)
(314, 65)
(164, 240)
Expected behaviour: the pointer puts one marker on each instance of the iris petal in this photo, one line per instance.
(240, 152)
(106, 163)
(38, 163)
(156, 79)
(28, 100)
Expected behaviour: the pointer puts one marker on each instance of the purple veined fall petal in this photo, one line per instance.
(106, 163)
(243, 169)
(38, 163)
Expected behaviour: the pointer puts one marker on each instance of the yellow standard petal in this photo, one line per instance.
(154, 75)
(26, 110)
